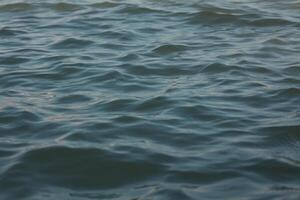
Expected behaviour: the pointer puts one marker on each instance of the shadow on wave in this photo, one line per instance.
(211, 17)
(74, 168)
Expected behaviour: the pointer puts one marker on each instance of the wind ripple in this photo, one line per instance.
(153, 99)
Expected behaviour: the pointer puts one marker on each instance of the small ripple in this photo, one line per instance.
(112, 34)
(285, 189)
(262, 70)
(214, 17)
(6, 153)
(124, 119)
(285, 171)
(197, 112)
(129, 57)
(107, 77)
(146, 153)
(171, 70)
(65, 7)
(116, 105)
(285, 135)
(13, 60)
(12, 115)
(94, 195)
(66, 70)
(120, 35)
(16, 7)
(135, 9)
(8, 32)
(293, 70)
(275, 41)
(155, 104)
(70, 43)
(149, 30)
(73, 98)
(220, 68)
(105, 5)
(270, 22)
(175, 194)
(219, 17)
(198, 177)
(283, 93)
(170, 48)
(166, 135)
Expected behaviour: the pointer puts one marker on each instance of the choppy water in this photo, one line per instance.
(149, 99)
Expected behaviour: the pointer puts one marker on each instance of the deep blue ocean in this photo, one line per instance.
(149, 100)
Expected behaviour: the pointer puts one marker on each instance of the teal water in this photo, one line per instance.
(149, 100)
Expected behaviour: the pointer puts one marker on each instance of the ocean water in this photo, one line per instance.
(149, 99)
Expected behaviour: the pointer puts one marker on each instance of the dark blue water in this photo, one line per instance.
(149, 100)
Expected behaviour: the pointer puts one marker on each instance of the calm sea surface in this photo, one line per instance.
(149, 99)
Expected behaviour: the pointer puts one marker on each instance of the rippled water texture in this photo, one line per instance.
(149, 99)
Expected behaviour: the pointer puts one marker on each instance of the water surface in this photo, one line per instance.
(149, 99)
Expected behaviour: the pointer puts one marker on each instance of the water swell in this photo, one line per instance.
(149, 100)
